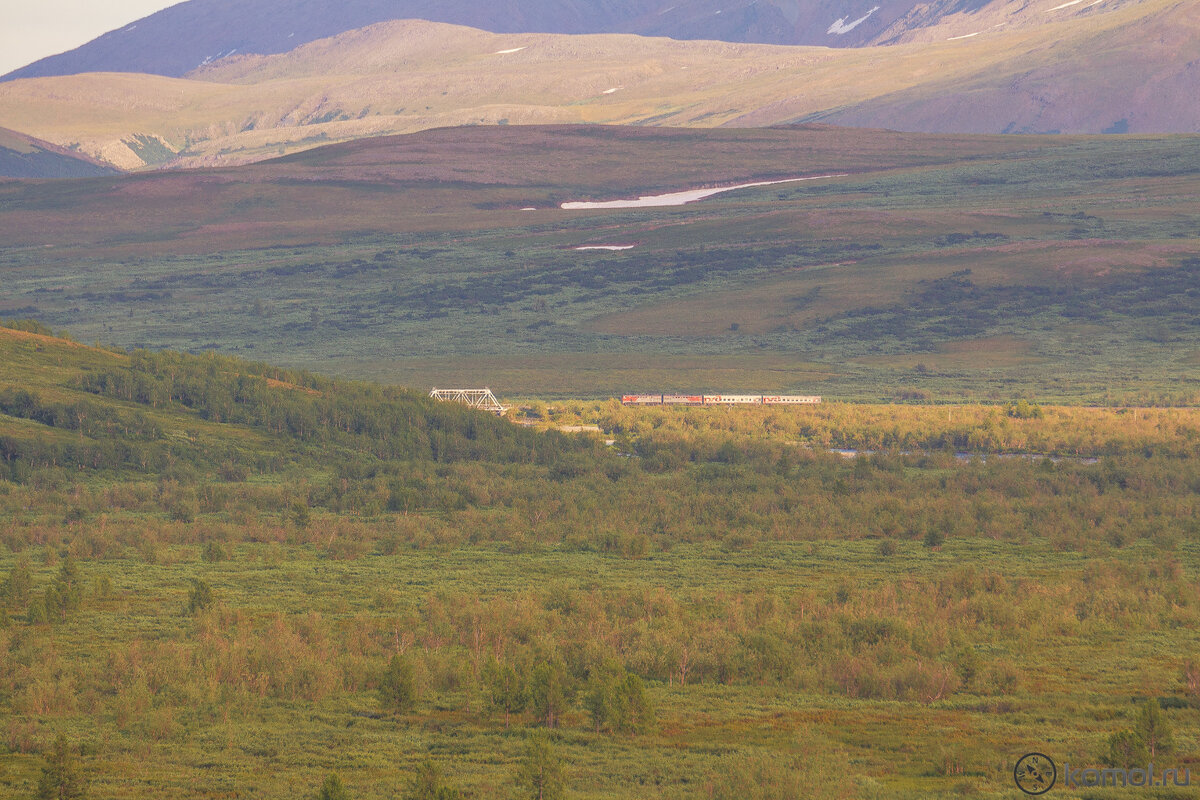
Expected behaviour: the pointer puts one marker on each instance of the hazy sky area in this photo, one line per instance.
(32, 29)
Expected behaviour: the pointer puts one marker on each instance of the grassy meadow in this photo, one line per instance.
(209, 566)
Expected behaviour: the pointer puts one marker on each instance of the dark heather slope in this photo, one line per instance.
(176, 40)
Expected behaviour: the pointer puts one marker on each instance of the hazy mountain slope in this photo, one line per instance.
(1142, 76)
(406, 76)
(181, 38)
(23, 156)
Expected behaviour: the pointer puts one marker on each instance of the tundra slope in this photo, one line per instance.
(949, 266)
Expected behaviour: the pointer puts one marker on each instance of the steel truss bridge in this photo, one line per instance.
(482, 399)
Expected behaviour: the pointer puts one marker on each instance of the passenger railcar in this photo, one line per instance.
(789, 399)
(719, 399)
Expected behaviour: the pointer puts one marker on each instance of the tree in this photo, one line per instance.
(333, 789)
(37, 614)
(539, 773)
(635, 712)
(934, 538)
(1126, 750)
(200, 597)
(599, 702)
(69, 586)
(300, 513)
(1149, 738)
(618, 702)
(549, 691)
(428, 784)
(1023, 409)
(15, 591)
(398, 686)
(1154, 728)
(1191, 675)
(61, 777)
(506, 688)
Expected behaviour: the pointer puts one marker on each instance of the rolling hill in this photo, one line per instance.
(25, 157)
(179, 39)
(1132, 69)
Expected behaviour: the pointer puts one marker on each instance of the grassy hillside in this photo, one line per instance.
(25, 157)
(1123, 69)
(214, 566)
(938, 267)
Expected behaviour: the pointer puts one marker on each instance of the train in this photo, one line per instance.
(719, 399)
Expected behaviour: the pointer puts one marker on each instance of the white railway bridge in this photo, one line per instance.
(482, 399)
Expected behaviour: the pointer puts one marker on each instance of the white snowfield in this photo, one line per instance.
(841, 26)
(680, 198)
(1075, 3)
(610, 91)
(607, 247)
(506, 52)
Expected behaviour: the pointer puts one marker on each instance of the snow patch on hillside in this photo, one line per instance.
(217, 57)
(1075, 3)
(680, 198)
(506, 52)
(841, 26)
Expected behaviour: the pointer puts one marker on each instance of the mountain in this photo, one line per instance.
(1132, 69)
(23, 156)
(181, 38)
(1141, 75)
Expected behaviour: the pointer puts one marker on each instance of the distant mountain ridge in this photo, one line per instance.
(182, 38)
(1132, 69)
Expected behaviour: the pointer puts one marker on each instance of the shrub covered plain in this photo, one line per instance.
(227, 579)
(967, 268)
